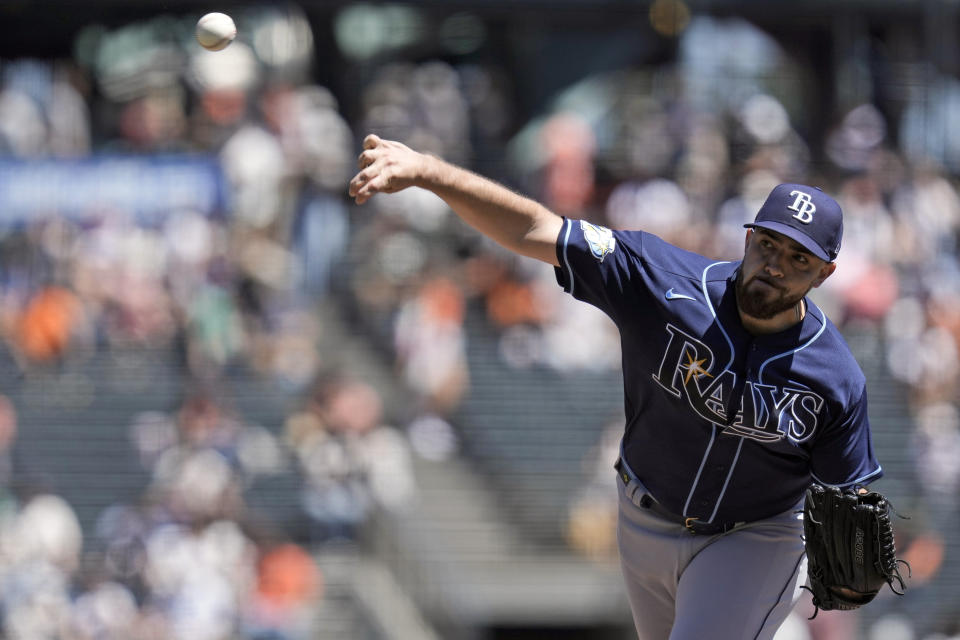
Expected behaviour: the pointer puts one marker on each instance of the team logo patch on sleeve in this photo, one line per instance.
(600, 239)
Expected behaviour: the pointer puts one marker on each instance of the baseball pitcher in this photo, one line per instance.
(744, 406)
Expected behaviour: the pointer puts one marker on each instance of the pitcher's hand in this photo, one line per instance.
(385, 167)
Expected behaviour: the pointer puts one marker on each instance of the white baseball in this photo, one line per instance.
(215, 31)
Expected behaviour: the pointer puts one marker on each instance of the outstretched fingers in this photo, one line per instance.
(371, 180)
(365, 159)
(367, 182)
(384, 166)
(360, 187)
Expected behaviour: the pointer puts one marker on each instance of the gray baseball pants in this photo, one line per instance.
(740, 585)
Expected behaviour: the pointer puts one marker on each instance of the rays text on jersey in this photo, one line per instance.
(763, 412)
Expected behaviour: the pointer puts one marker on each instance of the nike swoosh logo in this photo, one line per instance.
(672, 295)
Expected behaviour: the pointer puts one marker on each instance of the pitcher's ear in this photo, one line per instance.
(825, 272)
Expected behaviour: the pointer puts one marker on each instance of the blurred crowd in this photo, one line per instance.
(189, 556)
(182, 560)
(219, 285)
(687, 151)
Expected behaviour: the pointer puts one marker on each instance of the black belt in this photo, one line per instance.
(693, 525)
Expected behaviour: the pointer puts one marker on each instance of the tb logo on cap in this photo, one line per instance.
(804, 207)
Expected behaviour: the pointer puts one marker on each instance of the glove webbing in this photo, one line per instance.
(843, 517)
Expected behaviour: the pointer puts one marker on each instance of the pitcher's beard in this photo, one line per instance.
(760, 306)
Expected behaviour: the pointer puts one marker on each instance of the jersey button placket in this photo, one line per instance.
(752, 361)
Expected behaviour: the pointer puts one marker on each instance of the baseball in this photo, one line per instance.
(215, 31)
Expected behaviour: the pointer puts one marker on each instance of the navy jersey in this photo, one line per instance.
(721, 425)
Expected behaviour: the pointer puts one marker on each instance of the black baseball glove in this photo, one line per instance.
(850, 548)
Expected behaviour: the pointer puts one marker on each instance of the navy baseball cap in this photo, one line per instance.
(805, 214)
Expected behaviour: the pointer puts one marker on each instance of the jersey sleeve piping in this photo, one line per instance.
(562, 256)
(870, 477)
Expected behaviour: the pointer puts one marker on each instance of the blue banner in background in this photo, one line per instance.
(148, 188)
